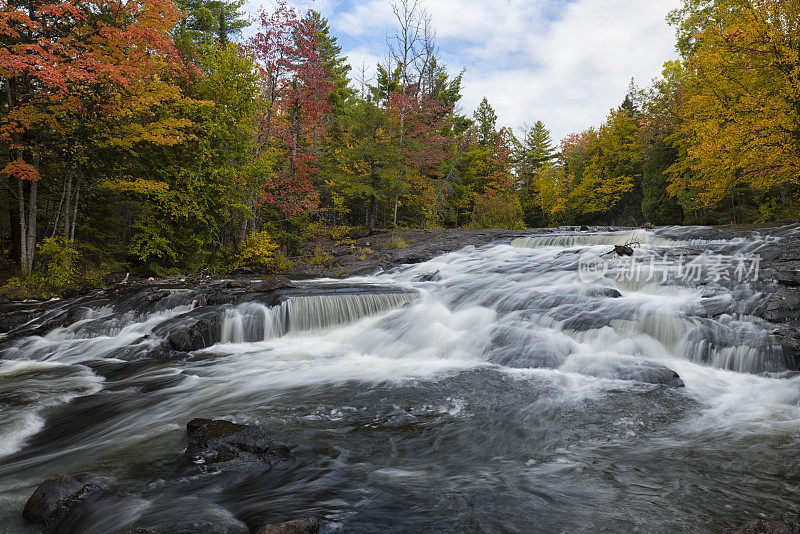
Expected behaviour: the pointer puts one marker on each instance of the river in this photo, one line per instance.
(490, 389)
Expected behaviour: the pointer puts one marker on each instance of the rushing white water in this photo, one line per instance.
(28, 388)
(502, 369)
(250, 322)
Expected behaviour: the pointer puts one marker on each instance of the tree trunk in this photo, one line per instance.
(13, 217)
(23, 229)
(75, 210)
(33, 207)
(371, 215)
(68, 206)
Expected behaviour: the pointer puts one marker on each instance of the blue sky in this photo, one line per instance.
(565, 63)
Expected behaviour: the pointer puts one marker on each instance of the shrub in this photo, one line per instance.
(281, 262)
(60, 268)
(497, 211)
(257, 249)
(320, 257)
(396, 243)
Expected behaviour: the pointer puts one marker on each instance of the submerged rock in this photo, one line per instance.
(434, 276)
(623, 368)
(217, 442)
(766, 527)
(306, 525)
(56, 498)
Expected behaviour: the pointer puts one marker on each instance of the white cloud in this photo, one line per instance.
(565, 63)
(579, 67)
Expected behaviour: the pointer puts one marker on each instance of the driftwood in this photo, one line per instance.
(623, 250)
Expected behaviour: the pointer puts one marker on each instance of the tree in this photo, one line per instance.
(297, 88)
(60, 61)
(206, 23)
(740, 114)
(412, 48)
(485, 124)
(612, 166)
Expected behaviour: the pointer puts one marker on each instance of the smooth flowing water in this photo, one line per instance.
(486, 390)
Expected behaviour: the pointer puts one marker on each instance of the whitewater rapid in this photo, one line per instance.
(450, 341)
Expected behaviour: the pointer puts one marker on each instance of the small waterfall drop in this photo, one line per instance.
(251, 322)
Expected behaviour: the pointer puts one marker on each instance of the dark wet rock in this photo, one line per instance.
(623, 250)
(217, 442)
(306, 525)
(157, 295)
(584, 228)
(766, 527)
(56, 498)
(117, 277)
(650, 373)
(414, 257)
(271, 284)
(624, 368)
(789, 339)
(198, 336)
(787, 273)
(602, 291)
(783, 306)
(434, 276)
(237, 284)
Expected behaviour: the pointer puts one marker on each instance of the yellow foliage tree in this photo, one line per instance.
(611, 166)
(740, 113)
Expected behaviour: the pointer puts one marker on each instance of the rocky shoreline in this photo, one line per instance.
(62, 503)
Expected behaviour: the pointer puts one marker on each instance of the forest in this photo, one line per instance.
(151, 137)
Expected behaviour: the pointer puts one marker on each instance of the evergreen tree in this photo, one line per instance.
(485, 124)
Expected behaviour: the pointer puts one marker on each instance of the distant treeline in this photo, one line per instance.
(149, 136)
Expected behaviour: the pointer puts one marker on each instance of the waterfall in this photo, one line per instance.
(642, 237)
(252, 321)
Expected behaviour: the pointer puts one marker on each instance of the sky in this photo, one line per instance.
(564, 62)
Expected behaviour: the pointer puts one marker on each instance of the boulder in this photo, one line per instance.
(623, 368)
(55, 499)
(306, 525)
(271, 284)
(623, 250)
(116, 277)
(198, 336)
(650, 373)
(217, 442)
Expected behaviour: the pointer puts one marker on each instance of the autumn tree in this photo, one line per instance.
(64, 65)
(297, 88)
(740, 111)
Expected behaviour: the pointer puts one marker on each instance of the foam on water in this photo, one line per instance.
(28, 389)
(519, 311)
(251, 322)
